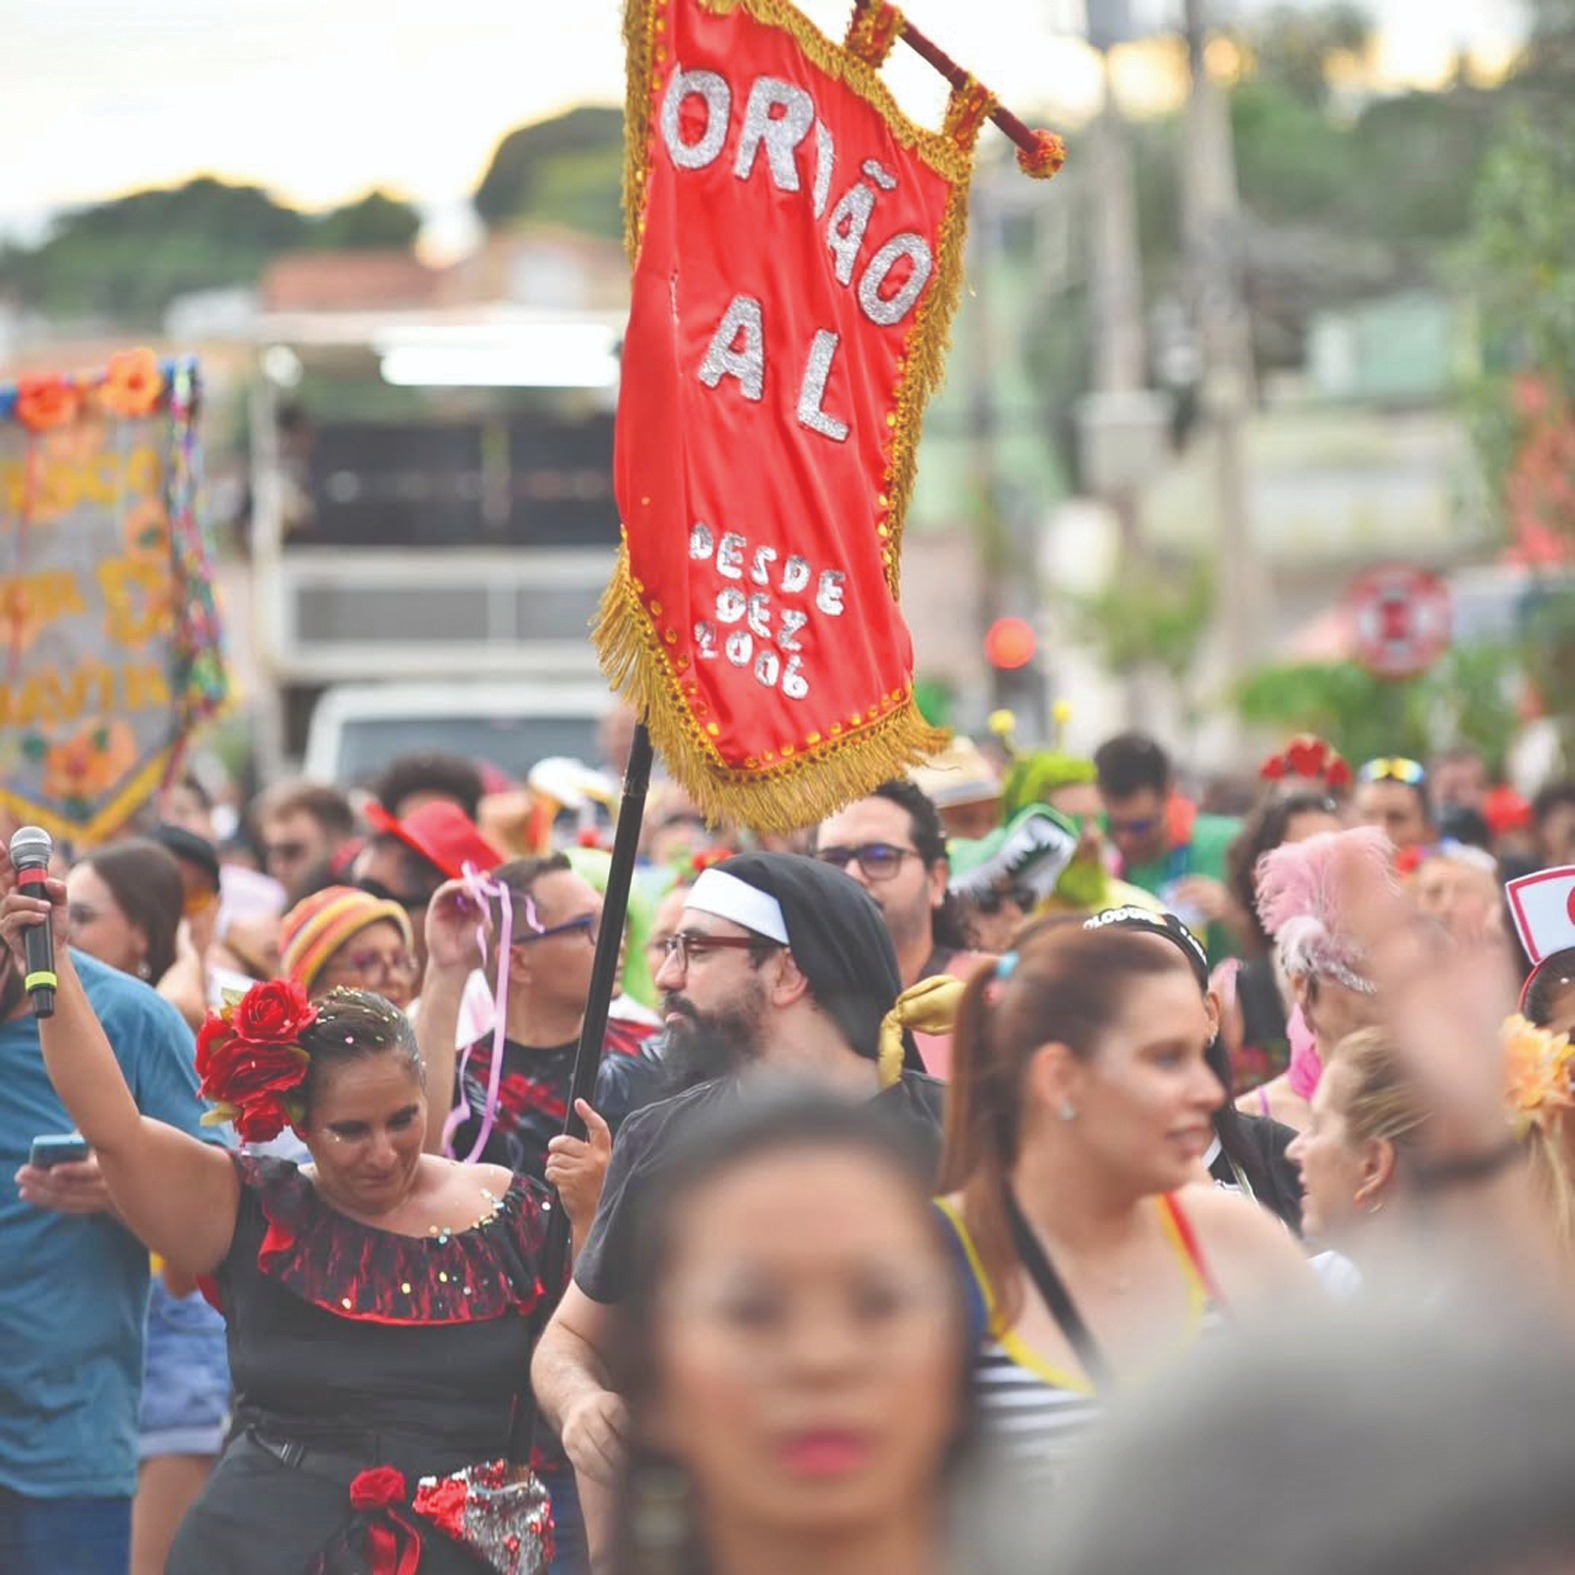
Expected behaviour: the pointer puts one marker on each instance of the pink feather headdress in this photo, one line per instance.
(1309, 894)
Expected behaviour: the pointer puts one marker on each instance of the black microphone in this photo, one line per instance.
(31, 851)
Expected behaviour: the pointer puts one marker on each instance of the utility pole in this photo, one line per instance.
(1217, 288)
(1122, 421)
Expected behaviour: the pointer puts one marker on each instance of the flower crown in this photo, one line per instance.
(1309, 757)
(250, 1062)
(1539, 1073)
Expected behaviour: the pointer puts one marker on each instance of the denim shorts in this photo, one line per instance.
(186, 1378)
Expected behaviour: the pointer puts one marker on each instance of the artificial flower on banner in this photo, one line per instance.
(798, 250)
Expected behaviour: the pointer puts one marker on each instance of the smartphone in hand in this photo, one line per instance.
(66, 1148)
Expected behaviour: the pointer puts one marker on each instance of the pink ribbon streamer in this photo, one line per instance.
(479, 889)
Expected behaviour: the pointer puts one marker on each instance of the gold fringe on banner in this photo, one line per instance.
(794, 793)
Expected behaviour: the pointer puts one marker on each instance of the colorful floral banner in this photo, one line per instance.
(798, 255)
(109, 637)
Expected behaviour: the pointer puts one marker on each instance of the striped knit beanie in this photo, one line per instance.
(317, 926)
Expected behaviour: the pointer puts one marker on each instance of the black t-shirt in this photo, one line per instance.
(1275, 1180)
(533, 1094)
(916, 1102)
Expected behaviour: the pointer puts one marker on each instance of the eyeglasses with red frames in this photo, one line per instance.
(687, 946)
(879, 860)
(378, 967)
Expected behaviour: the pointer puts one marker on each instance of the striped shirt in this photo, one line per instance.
(1032, 1412)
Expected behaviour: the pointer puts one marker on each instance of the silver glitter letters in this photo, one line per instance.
(760, 615)
(731, 605)
(730, 556)
(886, 313)
(829, 597)
(740, 647)
(701, 544)
(781, 134)
(764, 558)
(742, 318)
(795, 576)
(845, 230)
(794, 684)
(811, 395)
(792, 621)
(718, 104)
(825, 165)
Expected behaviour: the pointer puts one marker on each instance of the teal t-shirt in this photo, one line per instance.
(1203, 854)
(74, 1294)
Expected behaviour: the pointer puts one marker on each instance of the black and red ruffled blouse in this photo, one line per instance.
(340, 1332)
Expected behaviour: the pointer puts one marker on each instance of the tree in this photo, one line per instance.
(567, 167)
(1467, 699)
(125, 260)
(1295, 48)
(376, 222)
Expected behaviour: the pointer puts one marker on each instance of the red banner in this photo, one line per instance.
(798, 255)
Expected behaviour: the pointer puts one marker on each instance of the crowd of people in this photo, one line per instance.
(943, 1164)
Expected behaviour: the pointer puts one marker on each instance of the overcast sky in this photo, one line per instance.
(322, 99)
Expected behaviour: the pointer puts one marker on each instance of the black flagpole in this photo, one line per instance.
(604, 975)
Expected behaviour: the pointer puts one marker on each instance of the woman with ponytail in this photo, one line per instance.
(1080, 1106)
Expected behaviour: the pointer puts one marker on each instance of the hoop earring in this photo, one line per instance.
(143, 970)
(1068, 1111)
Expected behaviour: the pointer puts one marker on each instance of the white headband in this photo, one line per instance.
(730, 898)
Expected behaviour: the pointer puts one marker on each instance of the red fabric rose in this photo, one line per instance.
(1308, 756)
(274, 1013)
(1273, 769)
(443, 1503)
(1339, 776)
(378, 1488)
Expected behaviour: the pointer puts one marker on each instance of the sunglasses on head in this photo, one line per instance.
(1393, 768)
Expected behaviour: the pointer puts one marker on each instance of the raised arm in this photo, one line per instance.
(179, 1196)
(453, 951)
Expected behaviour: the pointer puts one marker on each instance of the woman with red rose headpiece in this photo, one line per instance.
(379, 1299)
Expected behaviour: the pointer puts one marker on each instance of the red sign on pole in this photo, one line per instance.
(1400, 619)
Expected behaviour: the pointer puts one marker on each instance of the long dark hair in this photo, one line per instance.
(145, 882)
(1262, 832)
(1068, 985)
(720, 1142)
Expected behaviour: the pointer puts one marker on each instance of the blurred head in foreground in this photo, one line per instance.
(797, 1367)
(1372, 1446)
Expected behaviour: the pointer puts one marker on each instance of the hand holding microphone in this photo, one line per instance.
(31, 850)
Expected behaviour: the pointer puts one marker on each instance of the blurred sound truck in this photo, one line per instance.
(432, 527)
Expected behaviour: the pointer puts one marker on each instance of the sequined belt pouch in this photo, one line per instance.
(500, 1514)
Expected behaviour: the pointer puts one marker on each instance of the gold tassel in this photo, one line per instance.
(929, 1007)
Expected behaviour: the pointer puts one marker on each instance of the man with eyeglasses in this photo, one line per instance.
(892, 843)
(787, 964)
(1392, 794)
(307, 830)
(1166, 846)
